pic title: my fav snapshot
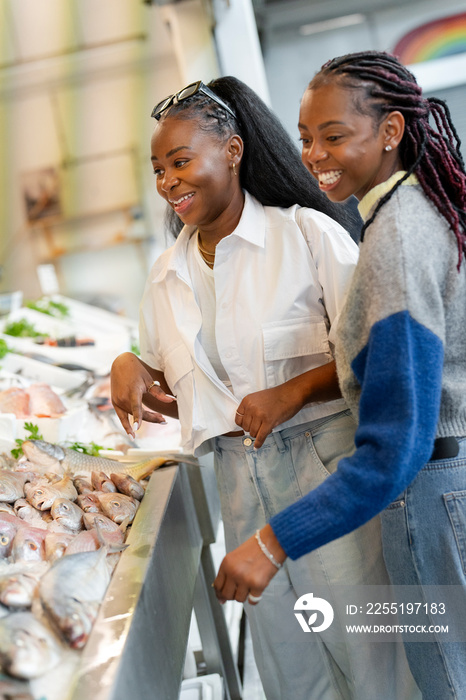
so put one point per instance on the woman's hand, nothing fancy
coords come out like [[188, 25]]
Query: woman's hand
[[131, 380], [259, 413], [246, 571]]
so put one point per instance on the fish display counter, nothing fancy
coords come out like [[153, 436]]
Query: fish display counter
[[138, 642]]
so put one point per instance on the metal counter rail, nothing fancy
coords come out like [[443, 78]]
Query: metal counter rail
[[138, 645]]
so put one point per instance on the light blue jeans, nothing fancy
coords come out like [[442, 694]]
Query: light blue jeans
[[330, 665], [424, 543]]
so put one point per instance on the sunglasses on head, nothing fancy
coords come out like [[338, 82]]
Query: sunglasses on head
[[188, 91]]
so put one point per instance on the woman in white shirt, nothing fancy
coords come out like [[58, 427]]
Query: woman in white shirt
[[236, 330]]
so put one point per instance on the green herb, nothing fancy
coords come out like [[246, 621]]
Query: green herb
[[88, 449], [47, 306], [4, 348], [21, 329], [34, 434]]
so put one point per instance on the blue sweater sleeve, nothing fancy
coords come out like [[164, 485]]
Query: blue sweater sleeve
[[400, 373]]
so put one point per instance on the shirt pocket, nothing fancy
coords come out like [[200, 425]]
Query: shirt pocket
[[294, 346]]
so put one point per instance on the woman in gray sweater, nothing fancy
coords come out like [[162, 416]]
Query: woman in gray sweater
[[367, 130]]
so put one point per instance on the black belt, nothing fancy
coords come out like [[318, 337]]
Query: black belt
[[445, 448]]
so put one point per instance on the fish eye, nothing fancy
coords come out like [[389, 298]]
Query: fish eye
[[116, 504], [33, 546], [39, 492], [4, 540]]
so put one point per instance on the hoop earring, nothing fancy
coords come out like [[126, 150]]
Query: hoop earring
[[388, 147]]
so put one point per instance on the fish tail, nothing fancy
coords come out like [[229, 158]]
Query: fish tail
[[140, 471]]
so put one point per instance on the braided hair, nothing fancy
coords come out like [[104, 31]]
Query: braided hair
[[430, 149], [271, 168]]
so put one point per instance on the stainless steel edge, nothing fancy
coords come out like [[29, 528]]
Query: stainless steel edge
[[138, 644]]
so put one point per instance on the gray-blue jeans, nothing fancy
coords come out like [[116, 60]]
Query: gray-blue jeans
[[424, 542], [330, 665]]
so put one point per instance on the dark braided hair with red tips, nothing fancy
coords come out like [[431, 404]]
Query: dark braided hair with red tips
[[429, 148]]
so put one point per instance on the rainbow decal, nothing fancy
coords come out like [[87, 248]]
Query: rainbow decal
[[437, 39]]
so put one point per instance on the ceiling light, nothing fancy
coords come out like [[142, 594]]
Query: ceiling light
[[329, 24]]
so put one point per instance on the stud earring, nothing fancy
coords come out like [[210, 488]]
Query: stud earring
[[388, 147]]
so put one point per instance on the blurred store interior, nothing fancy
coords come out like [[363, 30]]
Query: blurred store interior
[[77, 84]]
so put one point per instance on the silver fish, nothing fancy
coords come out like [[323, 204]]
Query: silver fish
[[89, 502], [12, 485], [28, 544], [104, 523], [71, 592], [127, 485], [55, 544], [43, 495], [68, 514], [101, 482], [18, 583], [9, 525], [45, 455], [118, 507], [82, 484], [28, 648], [29, 514]]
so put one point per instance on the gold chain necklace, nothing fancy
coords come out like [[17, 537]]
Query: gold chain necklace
[[204, 252]]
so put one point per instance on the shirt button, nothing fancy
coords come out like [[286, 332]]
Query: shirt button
[[247, 442]]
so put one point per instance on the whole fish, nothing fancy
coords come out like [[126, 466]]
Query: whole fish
[[82, 484], [28, 544], [67, 514], [89, 502], [55, 544], [104, 523], [127, 485], [29, 514], [18, 583], [71, 592], [117, 506], [9, 525], [43, 495], [12, 485], [46, 456], [28, 648], [101, 482]]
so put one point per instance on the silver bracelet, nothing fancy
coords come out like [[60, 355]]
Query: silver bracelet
[[268, 554]]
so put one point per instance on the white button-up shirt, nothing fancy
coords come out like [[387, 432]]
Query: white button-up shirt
[[280, 282]]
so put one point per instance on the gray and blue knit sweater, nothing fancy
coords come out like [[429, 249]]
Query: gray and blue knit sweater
[[401, 359]]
